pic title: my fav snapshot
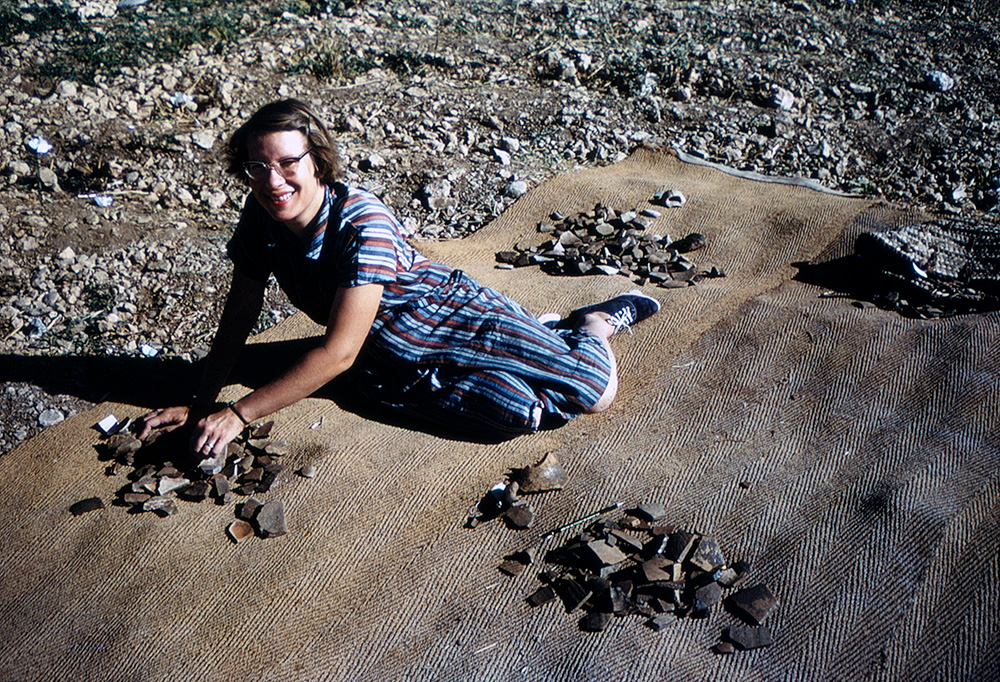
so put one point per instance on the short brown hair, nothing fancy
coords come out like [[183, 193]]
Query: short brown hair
[[287, 114]]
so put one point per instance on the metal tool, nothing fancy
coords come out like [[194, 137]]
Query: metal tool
[[582, 519]]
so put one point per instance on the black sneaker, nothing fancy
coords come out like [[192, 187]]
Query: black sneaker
[[623, 311]]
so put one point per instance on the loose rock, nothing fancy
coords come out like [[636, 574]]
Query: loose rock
[[545, 474], [650, 511], [48, 178], [724, 648], [610, 242], [595, 621], [609, 572], [248, 510], [780, 98], [270, 519], [516, 189], [204, 139], [520, 516], [542, 595], [671, 198], [239, 530], [50, 417], [753, 604], [708, 555], [165, 506], [662, 621], [749, 637], [938, 81]]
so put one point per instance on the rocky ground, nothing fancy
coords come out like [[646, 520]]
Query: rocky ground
[[113, 239]]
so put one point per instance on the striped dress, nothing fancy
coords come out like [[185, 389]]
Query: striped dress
[[442, 347]]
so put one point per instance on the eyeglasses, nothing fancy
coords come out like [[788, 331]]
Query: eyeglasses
[[258, 170]]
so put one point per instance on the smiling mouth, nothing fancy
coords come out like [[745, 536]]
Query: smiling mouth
[[279, 199]]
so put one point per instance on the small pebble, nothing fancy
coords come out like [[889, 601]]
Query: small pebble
[[938, 81], [516, 189], [239, 530], [724, 649], [50, 417]]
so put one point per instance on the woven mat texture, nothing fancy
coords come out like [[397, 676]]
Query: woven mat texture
[[867, 443]]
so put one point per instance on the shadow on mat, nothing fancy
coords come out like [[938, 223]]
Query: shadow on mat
[[137, 381], [845, 276], [158, 382], [848, 277]]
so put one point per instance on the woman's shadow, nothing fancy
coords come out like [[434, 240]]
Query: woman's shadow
[[159, 382]]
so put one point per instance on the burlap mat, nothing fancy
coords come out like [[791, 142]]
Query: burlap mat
[[867, 443]]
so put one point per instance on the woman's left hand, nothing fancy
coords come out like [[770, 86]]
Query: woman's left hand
[[214, 433]]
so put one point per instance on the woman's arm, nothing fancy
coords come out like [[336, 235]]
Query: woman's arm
[[243, 305], [240, 314], [351, 318]]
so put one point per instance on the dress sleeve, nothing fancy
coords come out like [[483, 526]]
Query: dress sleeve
[[377, 252], [250, 247]]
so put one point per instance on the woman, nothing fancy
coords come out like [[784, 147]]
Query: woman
[[420, 337]]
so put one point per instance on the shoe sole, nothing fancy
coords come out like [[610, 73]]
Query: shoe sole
[[549, 320]]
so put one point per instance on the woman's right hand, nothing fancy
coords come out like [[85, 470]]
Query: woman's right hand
[[165, 420]]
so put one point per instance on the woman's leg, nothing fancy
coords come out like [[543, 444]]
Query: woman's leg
[[472, 353], [597, 324], [604, 320]]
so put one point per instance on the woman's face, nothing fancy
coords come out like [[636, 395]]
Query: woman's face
[[293, 200]]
